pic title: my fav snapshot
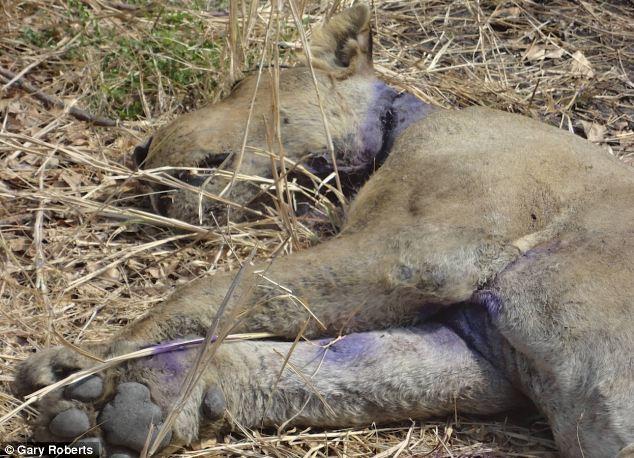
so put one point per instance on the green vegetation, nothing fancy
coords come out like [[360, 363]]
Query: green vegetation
[[142, 59], [138, 60]]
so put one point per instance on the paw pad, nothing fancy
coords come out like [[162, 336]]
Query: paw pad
[[85, 390], [214, 404], [69, 423], [128, 418]]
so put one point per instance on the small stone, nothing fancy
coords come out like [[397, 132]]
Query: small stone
[[69, 423], [85, 390]]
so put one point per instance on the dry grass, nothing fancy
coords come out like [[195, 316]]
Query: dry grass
[[79, 260]]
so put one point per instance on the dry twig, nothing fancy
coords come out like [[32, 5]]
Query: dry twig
[[50, 101]]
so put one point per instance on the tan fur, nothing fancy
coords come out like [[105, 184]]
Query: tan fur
[[469, 203]]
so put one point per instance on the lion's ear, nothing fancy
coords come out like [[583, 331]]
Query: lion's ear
[[344, 44]]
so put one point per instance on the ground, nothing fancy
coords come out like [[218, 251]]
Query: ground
[[78, 260]]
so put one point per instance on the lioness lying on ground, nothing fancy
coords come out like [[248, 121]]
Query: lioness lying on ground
[[488, 264]]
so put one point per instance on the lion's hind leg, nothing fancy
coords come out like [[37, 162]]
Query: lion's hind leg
[[567, 307], [356, 379]]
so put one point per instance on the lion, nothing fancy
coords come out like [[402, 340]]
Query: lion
[[485, 265]]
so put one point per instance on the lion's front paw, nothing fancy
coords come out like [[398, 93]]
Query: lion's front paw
[[50, 366], [64, 414], [123, 408]]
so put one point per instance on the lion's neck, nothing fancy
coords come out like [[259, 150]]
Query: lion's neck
[[383, 114]]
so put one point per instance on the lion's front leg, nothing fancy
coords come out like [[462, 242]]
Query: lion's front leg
[[335, 286], [363, 281]]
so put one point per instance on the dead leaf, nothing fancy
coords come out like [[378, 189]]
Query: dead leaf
[[580, 65], [17, 244], [507, 13], [555, 53], [534, 52], [154, 272], [539, 52], [78, 137], [169, 267], [594, 132], [71, 178], [111, 274]]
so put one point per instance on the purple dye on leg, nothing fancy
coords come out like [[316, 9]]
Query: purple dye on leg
[[172, 358], [347, 348], [490, 301], [176, 345], [170, 363], [426, 311], [444, 337], [435, 338], [474, 324]]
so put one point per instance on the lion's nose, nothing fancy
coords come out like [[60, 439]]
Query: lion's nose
[[140, 153]]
